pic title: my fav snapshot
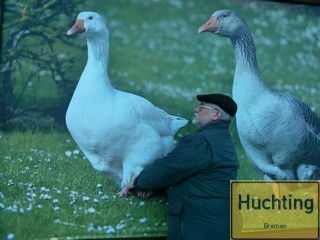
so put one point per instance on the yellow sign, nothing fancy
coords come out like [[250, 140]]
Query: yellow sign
[[275, 209]]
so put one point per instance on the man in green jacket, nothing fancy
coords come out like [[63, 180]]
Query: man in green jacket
[[197, 174]]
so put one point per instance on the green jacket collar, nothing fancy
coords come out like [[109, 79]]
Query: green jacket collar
[[211, 125]]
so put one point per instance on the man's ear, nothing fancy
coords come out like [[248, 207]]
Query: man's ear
[[216, 115]]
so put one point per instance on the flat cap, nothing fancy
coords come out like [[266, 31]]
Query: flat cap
[[223, 101]]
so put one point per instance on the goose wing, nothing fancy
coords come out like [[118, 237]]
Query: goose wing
[[162, 122], [311, 119]]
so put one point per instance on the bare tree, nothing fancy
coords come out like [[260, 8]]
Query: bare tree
[[31, 31]]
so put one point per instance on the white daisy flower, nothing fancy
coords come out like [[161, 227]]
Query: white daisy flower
[[91, 210], [143, 220], [85, 198], [68, 153]]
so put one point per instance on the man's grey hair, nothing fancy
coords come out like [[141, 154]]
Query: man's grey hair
[[225, 116]]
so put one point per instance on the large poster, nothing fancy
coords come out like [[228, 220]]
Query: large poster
[[48, 188]]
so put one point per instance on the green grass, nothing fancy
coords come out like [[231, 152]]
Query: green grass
[[48, 189]]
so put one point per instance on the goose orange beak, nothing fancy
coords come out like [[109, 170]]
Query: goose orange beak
[[77, 28], [211, 25]]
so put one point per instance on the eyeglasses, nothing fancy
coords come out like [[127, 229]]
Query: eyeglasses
[[204, 106]]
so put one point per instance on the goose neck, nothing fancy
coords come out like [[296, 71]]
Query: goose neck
[[247, 78], [98, 50], [96, 70], [245, 52]]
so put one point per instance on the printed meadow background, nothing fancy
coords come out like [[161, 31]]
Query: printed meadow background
[[47, 187]]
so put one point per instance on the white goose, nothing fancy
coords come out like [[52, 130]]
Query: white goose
[[118, 132], [279, 133]]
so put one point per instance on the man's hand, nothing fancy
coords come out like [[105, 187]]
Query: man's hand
[[128, 188]]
